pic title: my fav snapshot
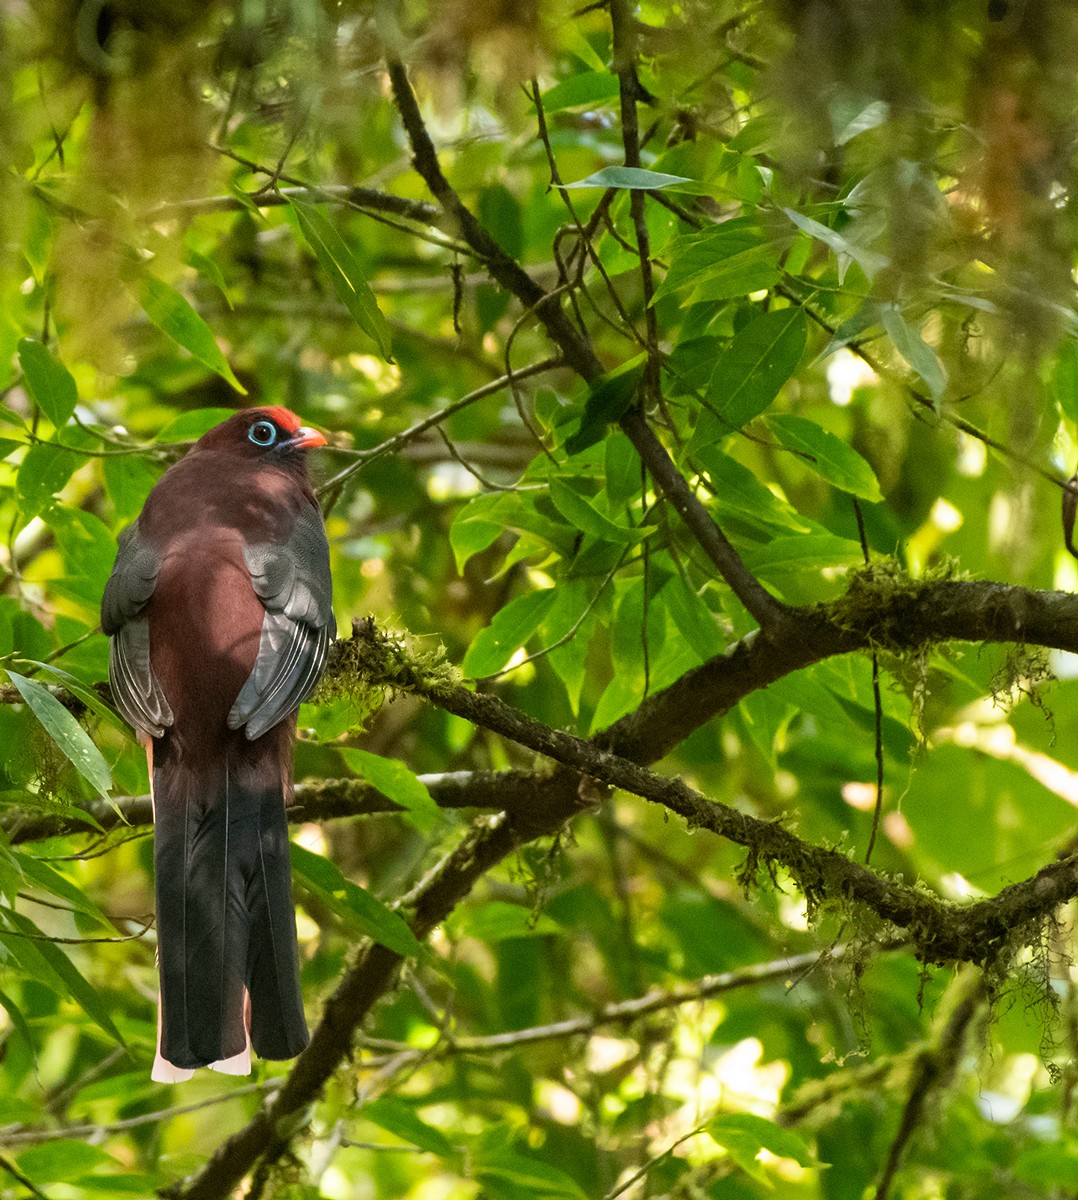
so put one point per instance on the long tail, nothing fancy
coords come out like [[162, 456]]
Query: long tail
[[226, 927]]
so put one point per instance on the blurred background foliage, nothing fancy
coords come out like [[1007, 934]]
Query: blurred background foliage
[[861, 309]]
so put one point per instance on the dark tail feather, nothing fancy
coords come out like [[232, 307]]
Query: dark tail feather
[[278, 1026], [225, 917]]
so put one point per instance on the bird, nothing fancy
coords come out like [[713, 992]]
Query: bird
[[219, 612]]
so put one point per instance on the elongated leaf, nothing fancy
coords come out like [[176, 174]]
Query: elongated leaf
[[747, 1133], [750, 374], [393, 779], [511, 628], [211, 270], [190, 426], [850, 121], [608, 400], [353, 904], [339, 263], [1065, 379], [630, 179], [49, 381], [732, 259], [806, 552], [175, 317], [500, 921], [589, 87], [63, 1159], [47, 962], [400, 1118], [827, 455], [42, 875], [73, 741], [505, 1173], [583, 515], [741, 497], [915, 350], [870, 261], [18, 1021], [696, 623]]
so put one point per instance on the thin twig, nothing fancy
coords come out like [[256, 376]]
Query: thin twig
[[7, 1165], [21, 1135], [392, 444]]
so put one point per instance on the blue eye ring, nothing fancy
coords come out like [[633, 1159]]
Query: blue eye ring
[[262, 433]]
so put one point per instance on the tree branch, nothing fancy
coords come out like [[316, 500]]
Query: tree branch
[[578, 353], [315, 800], [900, 617], [942, 932], [625, 1011]]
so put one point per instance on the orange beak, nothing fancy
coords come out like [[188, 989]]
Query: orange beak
[[305, 438]]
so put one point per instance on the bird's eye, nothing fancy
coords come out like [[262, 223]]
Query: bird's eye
[[262, 433]]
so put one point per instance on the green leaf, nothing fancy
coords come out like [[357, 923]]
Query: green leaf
[[43, 472], [128, 479], [45, 961], [915, 350], [728, 260], [744, 1135], [49, 381], [569, 661], [73, 741], [511, 628], [88, 549], [740, 496], [1065, 379], [400, 1118], [629, 178], [83, 692], [870, 262], [340, 264], [589, 87], [50, 880], [500, 921], [855, 117], [827, 455], [18, 1021], [696, 623], [475, 529], [62, 1159], [174, 316], [210, 269], [608, 400], [505, 1173], [190, 426], [805, 552], [1051, 1166], [353, 904], [584, 516], [748, 377], [500, 214], [394, 780], [621, 471]]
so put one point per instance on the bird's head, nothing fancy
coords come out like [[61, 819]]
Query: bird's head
[[271, 433]]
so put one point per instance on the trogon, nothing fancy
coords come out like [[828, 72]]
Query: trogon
[[219, 614]]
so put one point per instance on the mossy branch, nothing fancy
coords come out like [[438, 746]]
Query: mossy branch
[[986, 932]]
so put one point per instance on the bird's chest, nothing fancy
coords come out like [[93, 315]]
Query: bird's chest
[[205, 623]]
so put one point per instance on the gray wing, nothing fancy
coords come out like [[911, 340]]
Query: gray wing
[[293, 583], [130, 586]]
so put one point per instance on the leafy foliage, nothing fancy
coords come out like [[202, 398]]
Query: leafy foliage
[[635, 333]]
